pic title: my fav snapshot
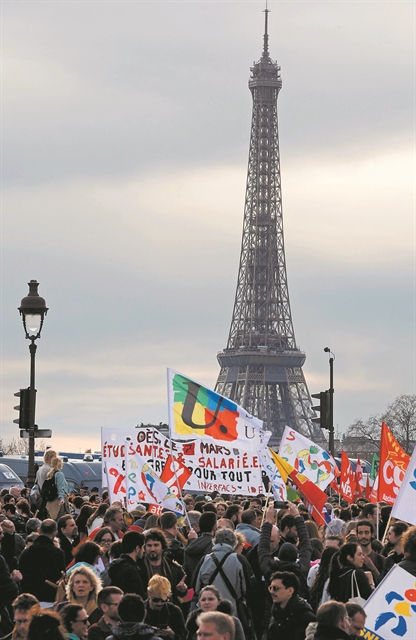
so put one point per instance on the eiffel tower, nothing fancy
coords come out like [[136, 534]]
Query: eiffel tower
[[261, 367]]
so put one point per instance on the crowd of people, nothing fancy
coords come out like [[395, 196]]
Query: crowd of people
[[78, 567]]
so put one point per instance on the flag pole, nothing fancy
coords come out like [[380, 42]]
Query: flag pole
[[378, 521], [267, 501]]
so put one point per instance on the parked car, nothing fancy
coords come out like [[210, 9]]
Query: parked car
[[8, 478]]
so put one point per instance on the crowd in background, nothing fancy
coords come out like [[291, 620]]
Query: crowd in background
[[78, 567]]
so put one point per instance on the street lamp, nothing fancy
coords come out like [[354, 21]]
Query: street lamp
[[33, 310], [331, 400]]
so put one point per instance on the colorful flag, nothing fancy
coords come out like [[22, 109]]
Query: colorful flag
[[144, 485], [391, 609], [404, 507], [393, 464], [347, 479], [307, 458], [197, 412], [175, 474], [116, 482], [313, 494], [278, 486], [359, 481]]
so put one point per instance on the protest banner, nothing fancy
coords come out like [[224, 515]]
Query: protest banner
[[144, 485], [277, 484], [198, 412], [393, 464], [115, 481], [391, 609], [346, 479], [175, 474], [214, 467], [307, 458], [404, 507]]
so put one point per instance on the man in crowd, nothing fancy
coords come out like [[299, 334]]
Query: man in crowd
[[124, 572], [155, 562], [357, 617], [199, 547], [247, 527], [233, 513], [214, 625], [164, 616], [372, 513], [108, 602], [169, 525], [373, 561], [42, 562], [290, 613], [333, 622], [67, 532], [131, 611], [113, 519], [409, 548], [21, 607], [396, 555]]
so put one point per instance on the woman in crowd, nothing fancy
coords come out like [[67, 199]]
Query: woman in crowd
[[104, 538], [347, 578], [97, 517], [45, 624], [58, 507], [76, 621], [318, 579], [210, 600], [81, 521], [82, 589], [88, 555]]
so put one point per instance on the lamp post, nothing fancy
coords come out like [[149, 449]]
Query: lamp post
[[33, 310], [331, 401]]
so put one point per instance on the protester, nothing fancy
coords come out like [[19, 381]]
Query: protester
[[104, 539], [67, 533], [209, 600], [164, 616], [373, 561], [409, 548], [214, 625], [319, 587], [108, 602], [395, 539], [131, 611], [45, 625], [290, 613], [58, 506], [332, 622], [357, 617], [347, 578], [76, 622], [21, 618], [155, 562], [199, 547], [82, 589], [124, 572]]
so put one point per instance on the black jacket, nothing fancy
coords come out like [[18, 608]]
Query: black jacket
[[133, 631], [125, 574], [40, 562], [169, 615], [341, 590], [67, 547], [99, 631], [392, 559], [290, 623], [409, 564], [328, 632], [170, 570], [194, 551]]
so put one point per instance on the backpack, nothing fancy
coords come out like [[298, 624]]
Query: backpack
[[49, 491]]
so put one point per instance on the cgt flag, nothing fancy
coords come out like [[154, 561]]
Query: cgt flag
[[393, 464], [175, 474], [391, 608], [197, 412], [404, 507], [347, 479]]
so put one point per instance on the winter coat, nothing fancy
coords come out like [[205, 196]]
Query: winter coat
[[194, 551], [40, 562], [232, 568], [170, 570], [251, 534], [290, 622], [169, 615], [343, 592], [329, 632], [99, 631], [409, 563], [133, 631], [392, 559], [125, 574]]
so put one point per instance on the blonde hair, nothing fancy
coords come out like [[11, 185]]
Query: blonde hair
[[48, 455], [92, 577], [159, 584], [56, 465]]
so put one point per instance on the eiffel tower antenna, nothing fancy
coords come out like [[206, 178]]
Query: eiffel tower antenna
[[261, 367]]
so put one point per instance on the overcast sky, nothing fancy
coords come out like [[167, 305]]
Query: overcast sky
[[125, 133]]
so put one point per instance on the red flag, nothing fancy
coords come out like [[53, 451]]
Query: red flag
[[393, 465], [368, 488], [347, 479], [175, 474], [359, 481], [374, 491]]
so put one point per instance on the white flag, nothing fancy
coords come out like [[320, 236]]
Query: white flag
[[273, 473], [404, 507], [307, 458], [391, 609]]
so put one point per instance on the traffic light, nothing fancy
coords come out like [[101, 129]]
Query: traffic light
[[24, 409], [323, 407]]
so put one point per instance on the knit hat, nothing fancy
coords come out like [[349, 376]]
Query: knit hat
[[288, 552]]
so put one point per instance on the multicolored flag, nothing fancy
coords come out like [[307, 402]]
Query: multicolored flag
[[313, 494], [277, 484], [404, 507], [346, 479], [197, 412], [116, 482], [175, 474], [391, 608], [307, 458], [144, 485], [375, 463], [393, 464]]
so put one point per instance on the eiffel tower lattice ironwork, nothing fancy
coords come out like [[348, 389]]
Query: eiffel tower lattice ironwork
[[261, 367]]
